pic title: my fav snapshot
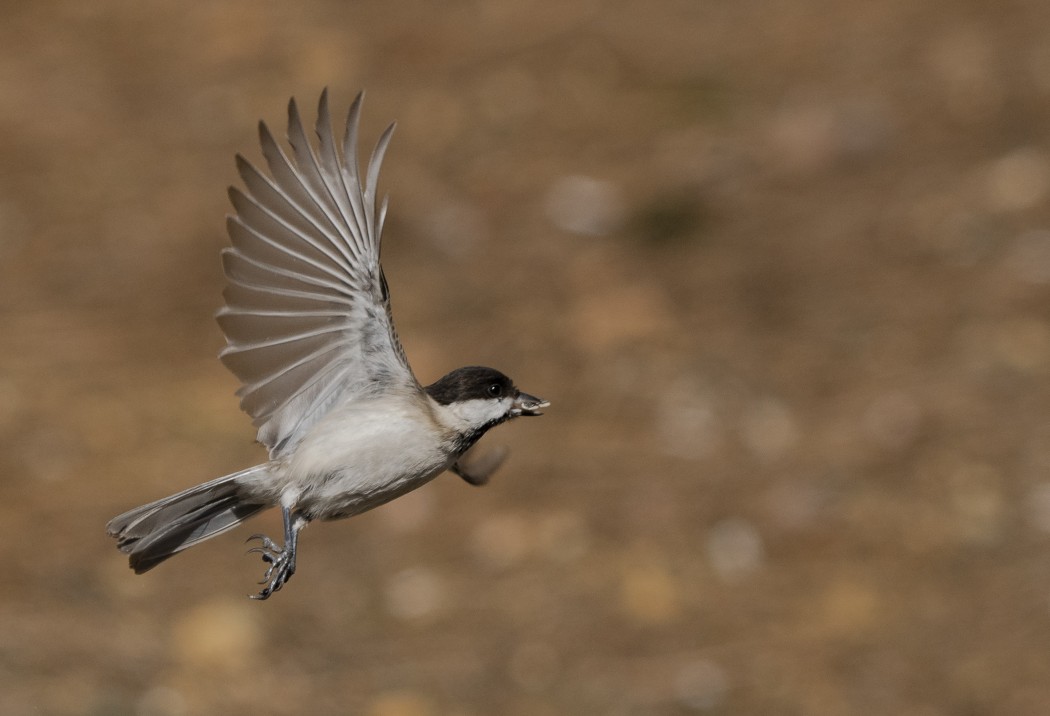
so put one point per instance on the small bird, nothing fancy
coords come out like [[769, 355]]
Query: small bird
[[310, 336]]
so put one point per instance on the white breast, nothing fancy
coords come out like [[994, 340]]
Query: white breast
[[362, 455]]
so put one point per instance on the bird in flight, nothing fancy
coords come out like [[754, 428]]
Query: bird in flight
[[311, 338]]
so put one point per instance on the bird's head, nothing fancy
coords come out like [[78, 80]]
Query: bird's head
[[474, 399]]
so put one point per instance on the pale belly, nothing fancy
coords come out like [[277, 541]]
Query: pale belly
[[359, 458]]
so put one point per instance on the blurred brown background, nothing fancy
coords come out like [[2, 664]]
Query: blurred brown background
[[782, 268]]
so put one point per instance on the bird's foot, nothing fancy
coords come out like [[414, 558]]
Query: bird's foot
[[281, 561]]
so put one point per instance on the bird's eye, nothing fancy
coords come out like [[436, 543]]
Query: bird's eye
[[496, 390]]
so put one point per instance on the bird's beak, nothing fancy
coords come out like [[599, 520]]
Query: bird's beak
[[526, 404]]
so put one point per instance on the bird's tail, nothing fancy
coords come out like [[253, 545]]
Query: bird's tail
[[151, 533]]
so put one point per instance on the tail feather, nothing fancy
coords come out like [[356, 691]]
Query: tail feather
[[156, 531]]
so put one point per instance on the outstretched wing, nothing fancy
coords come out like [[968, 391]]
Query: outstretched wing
[[307, 316]]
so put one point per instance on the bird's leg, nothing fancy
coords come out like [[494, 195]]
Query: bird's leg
[[280, 559]]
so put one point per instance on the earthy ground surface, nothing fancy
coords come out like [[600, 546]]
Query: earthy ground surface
[[782, 268]]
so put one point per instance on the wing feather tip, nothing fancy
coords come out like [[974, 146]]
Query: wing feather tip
[[295, 120], [322, 104]]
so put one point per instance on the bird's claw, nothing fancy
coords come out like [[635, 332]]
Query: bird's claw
[[281, 561], [266, 544]]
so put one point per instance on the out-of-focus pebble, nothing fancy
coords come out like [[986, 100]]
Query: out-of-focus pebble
[[804, 136], [400, 703], [1029, 258], [221, 634], [810, 135], [501, 540], [650, 594], [457, 227], [415, 593], [768, 429], [795, 505], [1018, 180], [701, 685], [963, 61], [847, 608], [687, 424], [978, 502], [1023, 344], [584, 205], [892, 421], [734, 548], [562, 536]]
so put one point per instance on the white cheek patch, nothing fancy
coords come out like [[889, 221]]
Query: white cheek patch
[[474, 413]]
